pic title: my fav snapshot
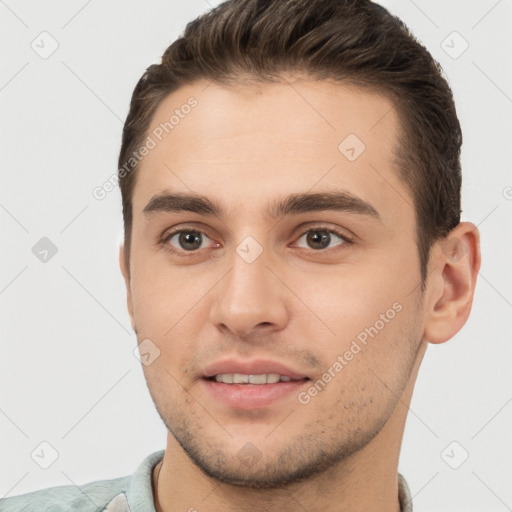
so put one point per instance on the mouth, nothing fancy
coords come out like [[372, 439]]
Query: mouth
[[252, 384], [264, 378]]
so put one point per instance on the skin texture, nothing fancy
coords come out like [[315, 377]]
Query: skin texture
[[245, 147]]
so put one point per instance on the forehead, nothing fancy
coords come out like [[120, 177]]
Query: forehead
[[249, 142]]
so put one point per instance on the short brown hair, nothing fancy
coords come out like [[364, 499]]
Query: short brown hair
[[351, 41]]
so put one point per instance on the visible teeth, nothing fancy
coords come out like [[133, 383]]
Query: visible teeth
[[239, 378], [226, 378], [258, 379]]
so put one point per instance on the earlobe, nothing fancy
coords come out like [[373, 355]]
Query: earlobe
[[125, 271], [455, 266]]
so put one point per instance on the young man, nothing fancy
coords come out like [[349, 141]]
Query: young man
[[290, 176]]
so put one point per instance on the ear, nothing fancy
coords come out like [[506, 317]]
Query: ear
[[126, 275], [453, 271]]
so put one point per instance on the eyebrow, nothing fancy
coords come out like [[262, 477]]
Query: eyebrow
[[293, 204]]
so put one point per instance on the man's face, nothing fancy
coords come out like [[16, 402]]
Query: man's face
[[329, 297]]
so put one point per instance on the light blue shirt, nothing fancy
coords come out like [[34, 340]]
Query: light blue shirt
[[133, 493]]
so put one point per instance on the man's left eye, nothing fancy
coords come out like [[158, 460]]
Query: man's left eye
[[319, 239]]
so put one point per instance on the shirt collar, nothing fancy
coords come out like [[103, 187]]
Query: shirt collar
[[404, 495]]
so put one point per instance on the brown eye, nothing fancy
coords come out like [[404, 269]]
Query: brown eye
[[186, 240], [320, 238]]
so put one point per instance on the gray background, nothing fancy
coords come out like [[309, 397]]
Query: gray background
[[68, 374]]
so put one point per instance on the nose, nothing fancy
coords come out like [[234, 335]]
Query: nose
[[250, 299]]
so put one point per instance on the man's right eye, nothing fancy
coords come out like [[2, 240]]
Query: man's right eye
[[182, 241]]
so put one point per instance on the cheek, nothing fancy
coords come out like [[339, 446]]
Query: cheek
[[351, 299], [162, 295], [368, 360], [371, 317], [169, 309]]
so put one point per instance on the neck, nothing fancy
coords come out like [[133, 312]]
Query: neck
[[366, 480]]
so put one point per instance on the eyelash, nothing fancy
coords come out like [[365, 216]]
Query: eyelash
[[182, 253]]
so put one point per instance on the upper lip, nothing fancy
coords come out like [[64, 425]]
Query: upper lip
[[252, 367]]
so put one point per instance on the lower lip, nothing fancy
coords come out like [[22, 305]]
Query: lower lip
[[252, 396]]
